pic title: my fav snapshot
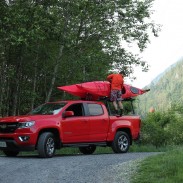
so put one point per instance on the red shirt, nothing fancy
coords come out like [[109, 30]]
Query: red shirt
[[116, 81]]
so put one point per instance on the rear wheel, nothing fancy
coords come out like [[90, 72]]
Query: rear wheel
[[88, 149], [46, 145], [121, 142], [11, 153]]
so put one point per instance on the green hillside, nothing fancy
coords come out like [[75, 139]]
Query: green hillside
[[164, 91]]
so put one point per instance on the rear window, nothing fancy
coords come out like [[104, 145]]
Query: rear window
[[95, 109]]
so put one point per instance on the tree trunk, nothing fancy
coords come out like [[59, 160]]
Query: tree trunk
[[35, 79], [16, 86], [34, 85], [15, 93], [2, 80], [58, 61]]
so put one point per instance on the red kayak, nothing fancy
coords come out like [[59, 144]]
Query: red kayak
[[73, 90], [96, 89]]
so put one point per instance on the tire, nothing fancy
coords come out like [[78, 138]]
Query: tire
[[87, 150], [46, 145], [11, 153], [121, 142]]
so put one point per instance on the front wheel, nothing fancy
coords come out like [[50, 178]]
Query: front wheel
[[46, 145], [121, 142], [88, 149], [11, 153]]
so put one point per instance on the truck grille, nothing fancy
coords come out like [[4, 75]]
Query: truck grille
[[8, 127]]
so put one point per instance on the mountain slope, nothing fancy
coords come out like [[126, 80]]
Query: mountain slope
[[165, 90]]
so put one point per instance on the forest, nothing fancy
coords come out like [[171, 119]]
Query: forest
[[50, 43], [166, 91]]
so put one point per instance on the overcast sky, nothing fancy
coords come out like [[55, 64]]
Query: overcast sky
[[166, 49]]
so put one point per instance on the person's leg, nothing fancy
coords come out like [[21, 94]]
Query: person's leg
[[113, 99], [119, 99], [115, 105], [121, 107], [120, 104]]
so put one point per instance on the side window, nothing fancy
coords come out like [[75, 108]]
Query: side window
[[95, 109], [77, 109]]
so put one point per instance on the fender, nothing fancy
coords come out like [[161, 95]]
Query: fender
[[119, 125], [46, 125]]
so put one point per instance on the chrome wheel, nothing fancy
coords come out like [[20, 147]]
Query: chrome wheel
[[50, 146], [123, 143]]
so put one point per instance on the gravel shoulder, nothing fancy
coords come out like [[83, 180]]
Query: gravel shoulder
[[121, 173], [103, 168]]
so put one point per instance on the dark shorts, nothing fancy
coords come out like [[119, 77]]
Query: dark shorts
[[116, 95]]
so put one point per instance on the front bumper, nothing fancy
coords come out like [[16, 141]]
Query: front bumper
[[18, 141], [12, 145]]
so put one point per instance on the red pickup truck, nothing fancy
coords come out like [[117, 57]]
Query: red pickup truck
[[54, 125]]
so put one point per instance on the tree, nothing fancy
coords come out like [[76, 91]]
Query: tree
[[50, 43]]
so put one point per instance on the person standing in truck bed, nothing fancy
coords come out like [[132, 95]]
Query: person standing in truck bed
[[116, 81]]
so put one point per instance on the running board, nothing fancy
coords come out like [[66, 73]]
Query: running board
[[104, 144]]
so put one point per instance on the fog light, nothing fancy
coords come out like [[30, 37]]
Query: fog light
[[24, 138]]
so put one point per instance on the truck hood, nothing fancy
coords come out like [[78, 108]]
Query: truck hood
[[24, 118]]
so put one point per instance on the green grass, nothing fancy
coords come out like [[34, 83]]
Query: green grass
[[100, 150], [163, 168], [68, 151], [148, 148], [108, 150]]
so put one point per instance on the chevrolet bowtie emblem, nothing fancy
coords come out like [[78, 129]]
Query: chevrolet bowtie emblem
[[3, 126]]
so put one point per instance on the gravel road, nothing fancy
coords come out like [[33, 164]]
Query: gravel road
[[103, 168]]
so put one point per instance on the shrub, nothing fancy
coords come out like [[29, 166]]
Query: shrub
[[153, 129]]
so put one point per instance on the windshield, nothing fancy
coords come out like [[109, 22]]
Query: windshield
[[48, 109]]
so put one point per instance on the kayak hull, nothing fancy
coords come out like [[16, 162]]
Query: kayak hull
[[96, 89]]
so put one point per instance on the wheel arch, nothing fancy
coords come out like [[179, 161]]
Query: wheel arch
[[56, 134]]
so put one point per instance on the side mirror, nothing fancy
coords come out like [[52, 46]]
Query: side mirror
[[68, 114]]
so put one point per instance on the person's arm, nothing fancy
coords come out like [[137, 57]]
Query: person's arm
[[122, 82], [109, 77]]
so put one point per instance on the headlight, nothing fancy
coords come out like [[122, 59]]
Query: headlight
[[26, 124]]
